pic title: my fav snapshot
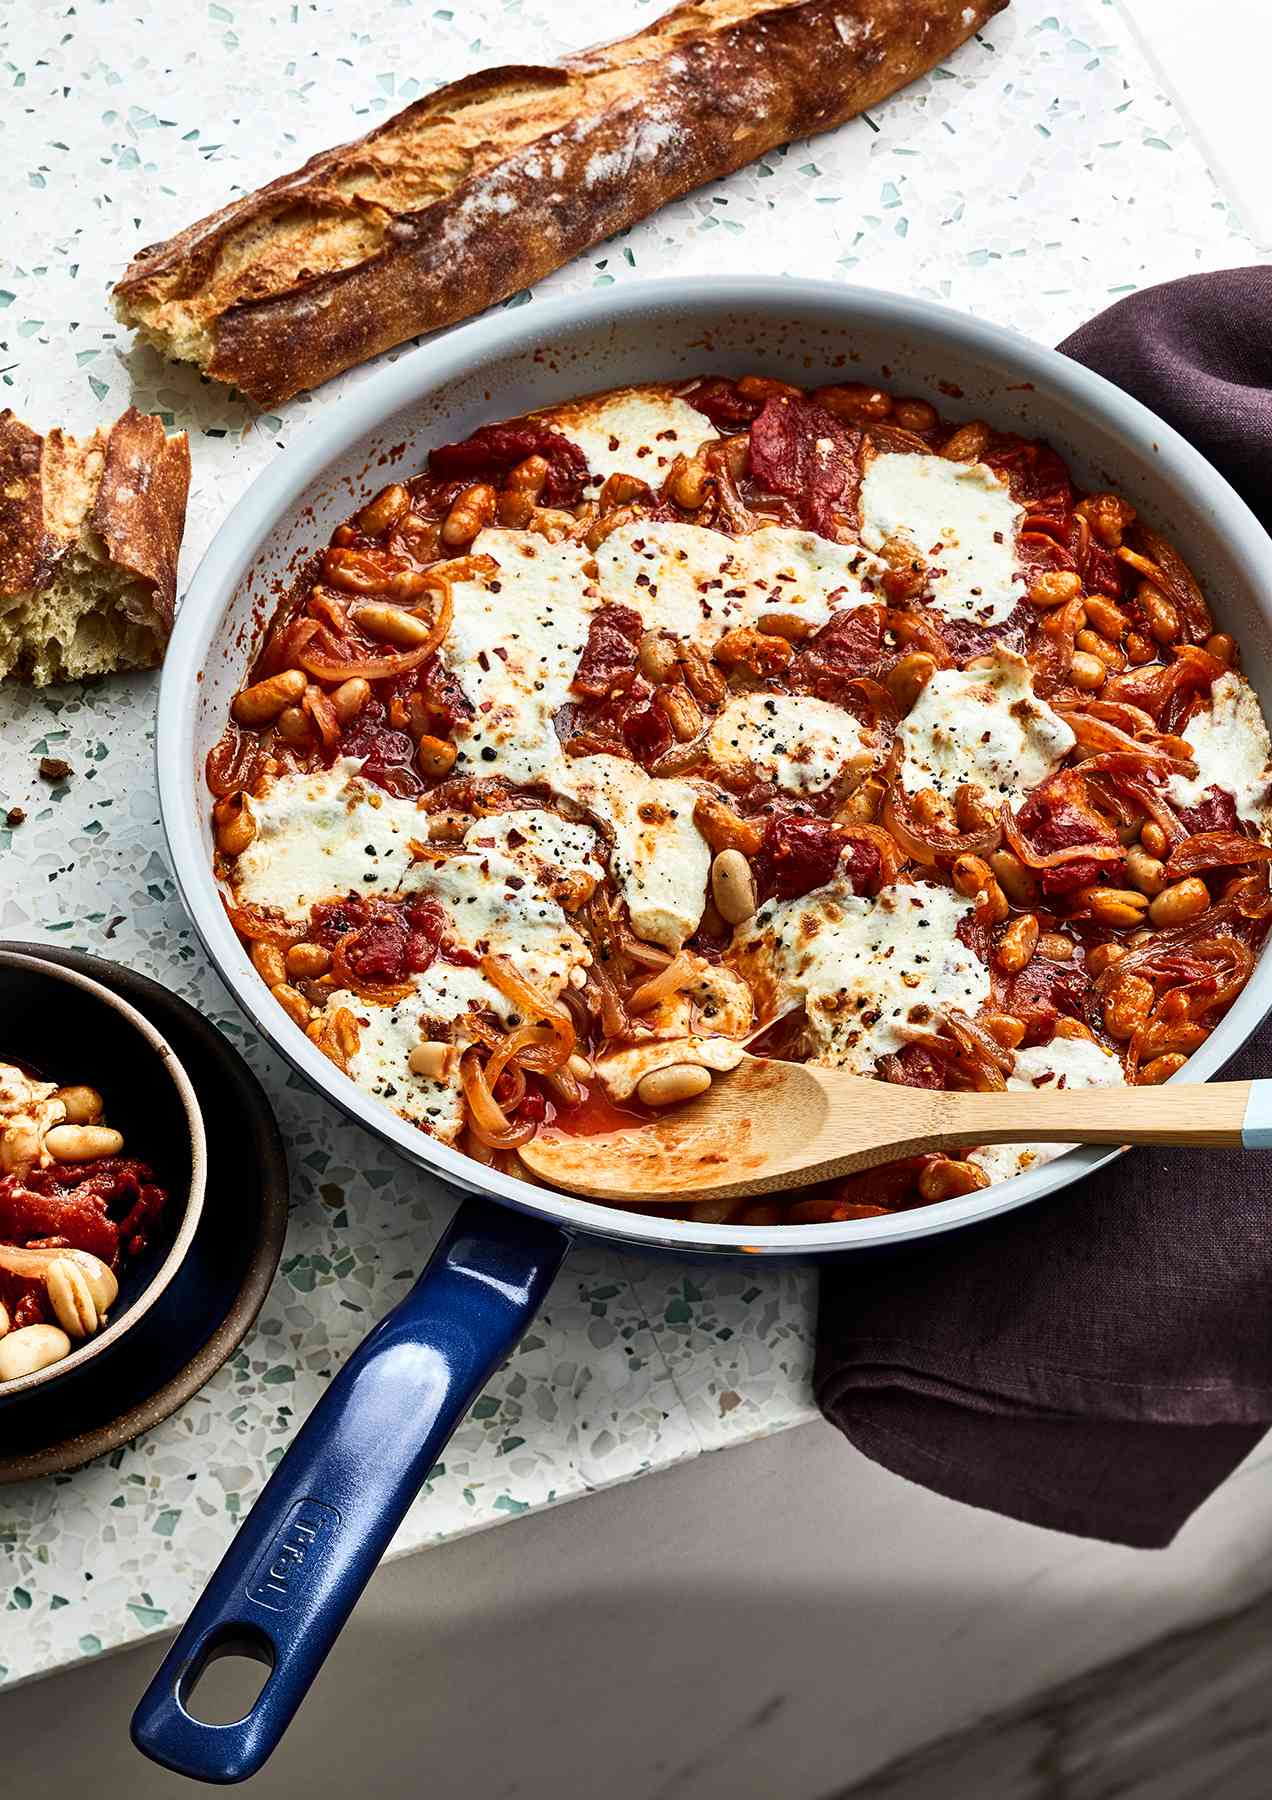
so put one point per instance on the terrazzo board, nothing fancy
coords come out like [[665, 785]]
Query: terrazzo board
[[1032, 181]]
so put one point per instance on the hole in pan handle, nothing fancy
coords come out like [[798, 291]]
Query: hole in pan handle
[[309, 1546]]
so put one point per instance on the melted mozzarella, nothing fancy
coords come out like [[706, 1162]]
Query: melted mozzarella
[[658, 860], [636, 431], [323, 835], [715, 1002], [701, 1024], [621, 1072], [963, 522], [514, 644], [699, 584], [492, 907], [983, 726], [800, 744], [28, 1111], [1232, 751], [1064, 1062], [561, 854], [386, 1037], [864, 970]]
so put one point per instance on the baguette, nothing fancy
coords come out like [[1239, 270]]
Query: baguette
[[90, 530], [487, 185]]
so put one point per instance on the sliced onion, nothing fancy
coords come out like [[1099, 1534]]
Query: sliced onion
[[650, 956], [1158, 684], [729, 501], [337, 667], [609, 1009], [1121, 713], [340, 663], [461, 568], [917, 631], [1249, 898], [972, 1054], [674, 760], [324, 605], [970, 1033], [533, 1047], [1176, 950], [1168, 571], [231, 762], [283, 645], [1215, 850], [487, 1121], [323, 714], [534, 1005], [250, 924], [1053, 859], [1156, 806], [681, 972], [883, 709], [513, 1080], [928, 845], [575, 1003], [567, 1085], [896, 438], [1175, 1023], [1101, 734]]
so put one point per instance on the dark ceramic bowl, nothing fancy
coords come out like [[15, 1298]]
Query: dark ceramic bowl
[[74, 1030]]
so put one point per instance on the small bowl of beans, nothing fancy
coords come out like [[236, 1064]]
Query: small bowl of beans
[[102, 1170]]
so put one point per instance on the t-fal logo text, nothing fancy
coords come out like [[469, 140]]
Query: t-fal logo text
[[280, 1575]]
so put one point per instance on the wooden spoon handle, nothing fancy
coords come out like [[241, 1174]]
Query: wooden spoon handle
[[1216, 1114]]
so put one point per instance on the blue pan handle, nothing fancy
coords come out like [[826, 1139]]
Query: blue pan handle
[[309, 1546]]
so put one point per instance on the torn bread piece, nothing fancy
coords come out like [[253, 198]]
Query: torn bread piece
[[90, 531], [479, 190]]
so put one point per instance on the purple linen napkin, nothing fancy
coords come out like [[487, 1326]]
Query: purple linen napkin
[[1100, 1362]]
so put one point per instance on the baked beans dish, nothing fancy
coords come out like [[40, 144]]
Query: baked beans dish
[[73, 1209], [685, 719]]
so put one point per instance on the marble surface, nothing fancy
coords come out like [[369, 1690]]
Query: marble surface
[[1185, 1719], [1040, 175]]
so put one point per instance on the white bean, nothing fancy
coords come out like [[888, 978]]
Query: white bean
[[665, 1087], [101, 1281], [264, 700], [83, 1104], [392, 624], [70, 1297], [350, 698], [32, 1262], [33, 1347], [733, 887], [82, 1143]]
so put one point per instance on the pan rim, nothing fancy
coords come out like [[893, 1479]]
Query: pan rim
[[238, 540]]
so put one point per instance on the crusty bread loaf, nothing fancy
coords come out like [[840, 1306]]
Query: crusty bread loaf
[[90, 530], [487, 185]]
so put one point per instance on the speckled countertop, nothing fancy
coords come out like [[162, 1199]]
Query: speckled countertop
[[1039, 176]]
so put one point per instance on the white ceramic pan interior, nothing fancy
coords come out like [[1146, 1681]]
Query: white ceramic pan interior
[[803, 331]]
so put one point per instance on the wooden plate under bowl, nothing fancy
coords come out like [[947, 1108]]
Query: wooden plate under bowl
[[208, 1308]]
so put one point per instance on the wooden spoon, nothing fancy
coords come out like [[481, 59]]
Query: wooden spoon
[[774, 1125]]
